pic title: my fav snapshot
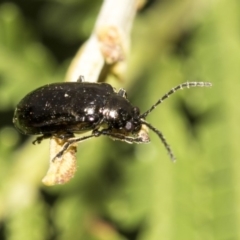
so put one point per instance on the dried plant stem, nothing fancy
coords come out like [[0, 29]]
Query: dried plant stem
[[107, 45], [109, 41]]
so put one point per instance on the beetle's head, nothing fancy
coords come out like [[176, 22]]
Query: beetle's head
[[125, 119], [121, 116]]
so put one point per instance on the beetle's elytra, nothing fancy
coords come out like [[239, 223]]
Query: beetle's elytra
[[63, 109]]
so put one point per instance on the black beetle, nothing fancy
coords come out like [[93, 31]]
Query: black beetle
[[62, 109]]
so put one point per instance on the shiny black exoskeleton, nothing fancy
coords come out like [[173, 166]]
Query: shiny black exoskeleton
[[62, 109]]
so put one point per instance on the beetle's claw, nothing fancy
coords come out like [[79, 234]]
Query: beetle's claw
[[38, 140]]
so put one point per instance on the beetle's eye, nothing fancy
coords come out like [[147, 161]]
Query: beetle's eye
[[129, 126]]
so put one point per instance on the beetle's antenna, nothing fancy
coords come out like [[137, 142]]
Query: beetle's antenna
[[173, 90], [163, 139]]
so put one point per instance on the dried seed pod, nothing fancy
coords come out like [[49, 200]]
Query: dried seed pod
[[63, 168]]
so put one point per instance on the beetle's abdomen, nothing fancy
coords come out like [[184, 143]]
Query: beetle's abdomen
[[61, 107]]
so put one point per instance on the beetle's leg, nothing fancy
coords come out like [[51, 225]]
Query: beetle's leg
[[64, 136], [125, 138], [39, 139], [118, 136], [80, 79], [97, 133], [122, 92], [70, 142]]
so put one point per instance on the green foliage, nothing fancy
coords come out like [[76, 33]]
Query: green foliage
[[123, 191]]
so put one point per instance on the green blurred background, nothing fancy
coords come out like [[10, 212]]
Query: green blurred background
[[124, 191]]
